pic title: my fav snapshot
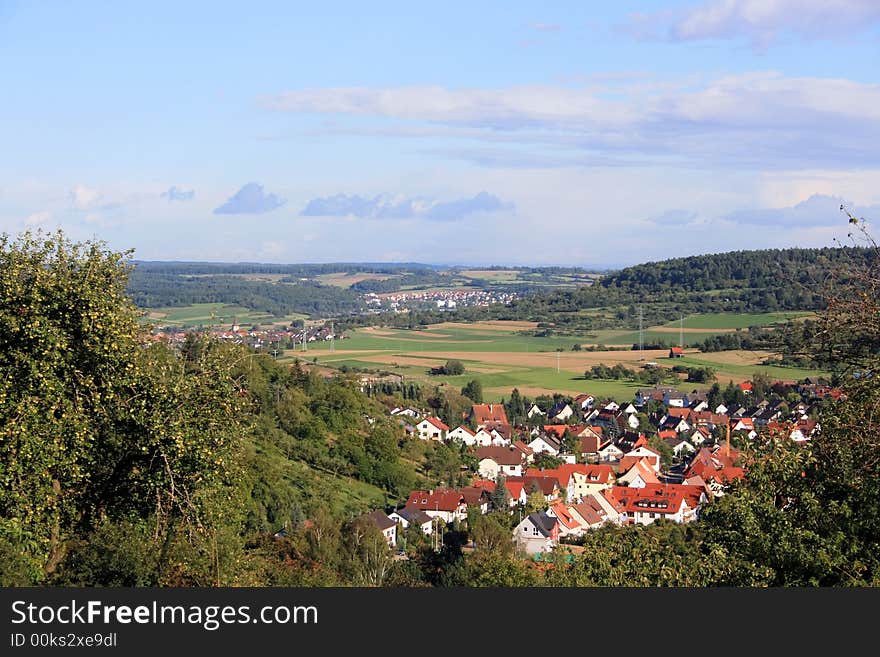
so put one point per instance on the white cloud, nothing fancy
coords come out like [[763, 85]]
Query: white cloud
[[763, 21], [386, 206], [759, 120], [38, 218], [84, 198]]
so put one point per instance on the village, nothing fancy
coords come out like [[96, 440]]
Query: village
[[579, 466]]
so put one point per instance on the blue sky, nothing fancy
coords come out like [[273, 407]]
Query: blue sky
[[593, 134]]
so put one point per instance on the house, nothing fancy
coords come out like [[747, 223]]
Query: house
[[608, 421], [569, 523], [409, 515], [585, 479], [386, 525], [498, 439], [462, 434], [638, 475], [408, 412], [644, 506], [700, 435], [528, 454], [580, 479], [610, 453], [710, 420], [476, 497], [560, 412], [594, 511], [680, 447], [584, 401], [631, 440], [716, 467], [676, 352], [548, 444], [628, 409], [549, 486], [591, 442], [492, 461], [746, 425], [516, 487], [489, 416], [534, 410], [537, 533], [643, 451], [483, 438], [676, 424], [432, 428], [446, 504]]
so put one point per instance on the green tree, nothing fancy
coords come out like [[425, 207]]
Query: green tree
[[453, 367], [95, 426], [473, 390], [500, 496]]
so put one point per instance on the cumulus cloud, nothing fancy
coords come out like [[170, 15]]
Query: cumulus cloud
[[760, 21], [385, 206], [761, 120], [84, 198], [38, 218], [250, 199], [818, 210], [175, 194]]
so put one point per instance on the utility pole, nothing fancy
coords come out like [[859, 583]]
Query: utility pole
[[332, 337], [681, 332], [557, 362]]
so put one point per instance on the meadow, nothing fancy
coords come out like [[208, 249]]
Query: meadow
[[501, 357], [214, 314]]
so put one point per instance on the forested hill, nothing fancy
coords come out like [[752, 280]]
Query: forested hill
[[738, 281]]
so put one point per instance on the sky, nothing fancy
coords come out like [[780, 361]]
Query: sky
[[593, 134]]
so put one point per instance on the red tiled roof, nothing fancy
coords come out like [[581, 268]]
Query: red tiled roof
[[654, 498], [501, 455], [555, 429], [441, 499], [547, 485], [437, 422], [564, 516], [489, 414]]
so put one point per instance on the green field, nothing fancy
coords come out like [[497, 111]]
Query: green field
[[503, 358], [213, 314], [736, 321]]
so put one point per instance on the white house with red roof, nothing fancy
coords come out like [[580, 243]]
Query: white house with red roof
[[641, 474], [644, 506], [432, 428], [445, 503], [462, 434]]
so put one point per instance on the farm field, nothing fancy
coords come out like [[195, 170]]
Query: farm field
[[501, 358], [731, 321], [216, 314], [344, 279]]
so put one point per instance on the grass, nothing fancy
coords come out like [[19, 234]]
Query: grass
[[217, 314], [502, 358], [736, 321]]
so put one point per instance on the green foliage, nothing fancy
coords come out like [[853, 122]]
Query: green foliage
[[93, 425], [474, 391]]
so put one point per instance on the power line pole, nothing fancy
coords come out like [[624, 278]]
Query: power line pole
[[681, 332]]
